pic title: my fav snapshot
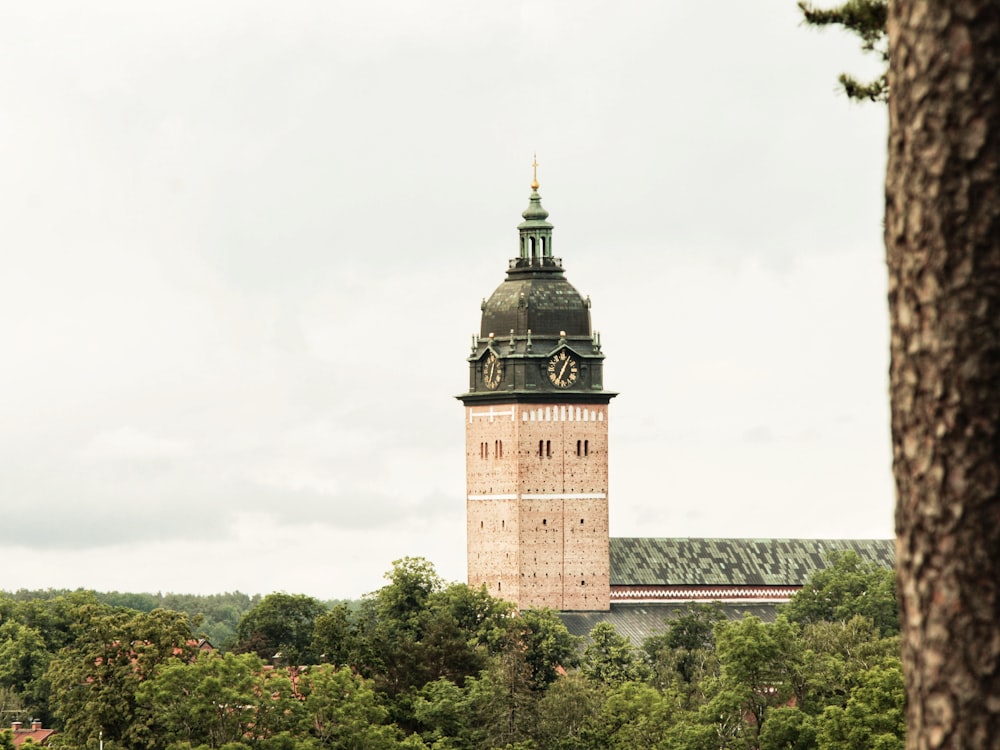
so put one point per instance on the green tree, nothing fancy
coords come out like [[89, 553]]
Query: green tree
[[834, 658], [866, 19], [59, 617], [635, 715], [873, 717], [217, 699], [391, 626], [12, 704], [342, 711], [848, 587], [24, 660], [759, 664], [685, 652], [503, 701], [567, 714], [446, 715], [610, 659], [95, 679], [412, 580], [334, 640], [475, 612], [788, 728], [280, 629], [220, 613], [414, 630], [546, 644]]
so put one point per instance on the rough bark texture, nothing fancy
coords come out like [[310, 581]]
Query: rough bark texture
[[943, 250]]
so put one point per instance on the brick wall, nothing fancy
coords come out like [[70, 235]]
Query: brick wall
[[537, 509]]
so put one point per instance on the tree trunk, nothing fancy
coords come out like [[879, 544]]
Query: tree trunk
[[943, 251]]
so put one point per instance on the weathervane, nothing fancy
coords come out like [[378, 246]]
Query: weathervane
[[534, 172]]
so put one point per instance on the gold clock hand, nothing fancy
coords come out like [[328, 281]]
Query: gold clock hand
[[563, 370]]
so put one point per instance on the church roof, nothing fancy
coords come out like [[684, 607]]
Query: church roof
[[639, 621], [652, 561], [542, 302], [536, 296]]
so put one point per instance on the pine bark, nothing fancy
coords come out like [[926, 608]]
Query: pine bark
[[942, 233]]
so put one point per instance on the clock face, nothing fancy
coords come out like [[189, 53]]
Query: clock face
[[563, 370], [492, 371]]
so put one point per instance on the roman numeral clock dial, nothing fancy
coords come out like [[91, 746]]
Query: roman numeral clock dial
[[492, 371], [563, 370]]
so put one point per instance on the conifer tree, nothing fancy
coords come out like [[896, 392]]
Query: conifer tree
[[867, 19]]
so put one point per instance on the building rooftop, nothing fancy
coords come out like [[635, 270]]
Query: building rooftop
[[639, 621], [656, 561]]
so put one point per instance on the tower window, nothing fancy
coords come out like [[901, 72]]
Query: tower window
[[579, 443], [548, 449], [586, 447], [541, 448]]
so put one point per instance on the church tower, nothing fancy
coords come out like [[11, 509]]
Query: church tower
[[536, 436]]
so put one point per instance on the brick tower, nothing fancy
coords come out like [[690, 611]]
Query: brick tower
[[536, 437]]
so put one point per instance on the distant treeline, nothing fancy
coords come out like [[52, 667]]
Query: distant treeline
[[214, 617]]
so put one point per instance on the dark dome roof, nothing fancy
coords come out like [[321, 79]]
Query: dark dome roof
[[544, 303]]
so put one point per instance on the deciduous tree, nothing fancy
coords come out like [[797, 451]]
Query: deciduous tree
[[217, 699], [848, 587], [280, 629], [610, 659], [95, 679]]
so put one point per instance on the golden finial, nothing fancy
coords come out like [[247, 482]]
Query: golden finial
[[534, 172]]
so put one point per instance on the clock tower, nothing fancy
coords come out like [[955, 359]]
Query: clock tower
[[536, 436]]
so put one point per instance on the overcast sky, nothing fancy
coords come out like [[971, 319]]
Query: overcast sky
[[243, 247]]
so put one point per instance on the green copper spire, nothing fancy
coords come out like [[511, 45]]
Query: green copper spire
[[536, 232]]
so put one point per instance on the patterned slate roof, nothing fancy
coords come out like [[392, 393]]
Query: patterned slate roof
[[639, 621], [649, 561], [542, 301]]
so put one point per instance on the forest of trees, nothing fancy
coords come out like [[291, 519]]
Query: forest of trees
[[424, 664]]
